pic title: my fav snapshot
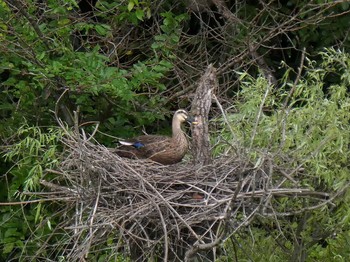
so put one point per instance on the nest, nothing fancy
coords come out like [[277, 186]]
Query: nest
[[143, 209]]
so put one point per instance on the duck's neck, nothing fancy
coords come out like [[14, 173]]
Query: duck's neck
[[177, 131]]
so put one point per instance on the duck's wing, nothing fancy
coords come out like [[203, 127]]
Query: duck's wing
[[148, 146], [136, 144], [147, 141]]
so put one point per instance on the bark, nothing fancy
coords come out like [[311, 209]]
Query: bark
[[200, 109]]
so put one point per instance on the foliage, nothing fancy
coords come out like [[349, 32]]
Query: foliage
[[32, 156], [310, 131], [36, 80]]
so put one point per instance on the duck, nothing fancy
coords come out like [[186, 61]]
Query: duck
[[166, 150]]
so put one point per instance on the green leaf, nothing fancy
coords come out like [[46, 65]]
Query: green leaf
[[102, 29], [11, 232], [49, 224], [148, 13], [139, 14], [8, 247], [131, 5], [37, 214]]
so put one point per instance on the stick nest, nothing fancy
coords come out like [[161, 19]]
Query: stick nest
[[175, 212]]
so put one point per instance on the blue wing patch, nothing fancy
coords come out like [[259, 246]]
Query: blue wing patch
[[138, 145]]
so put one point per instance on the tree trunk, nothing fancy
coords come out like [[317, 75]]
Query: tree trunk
[[200, 109]]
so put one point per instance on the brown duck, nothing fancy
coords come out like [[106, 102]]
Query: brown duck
[[162, 149]]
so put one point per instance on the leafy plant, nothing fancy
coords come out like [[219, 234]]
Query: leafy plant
[[304, 124], [35, 152]]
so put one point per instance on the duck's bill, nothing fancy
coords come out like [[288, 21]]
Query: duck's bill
[[192, 120]]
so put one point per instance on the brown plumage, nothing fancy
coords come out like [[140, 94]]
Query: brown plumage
[[162, 149]]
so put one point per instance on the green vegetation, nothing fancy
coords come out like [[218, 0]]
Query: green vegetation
[[129, 64], [312, 130]]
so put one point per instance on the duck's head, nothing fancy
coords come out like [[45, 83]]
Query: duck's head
[[182, 115]]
